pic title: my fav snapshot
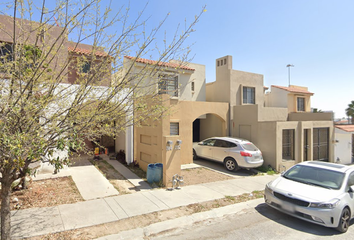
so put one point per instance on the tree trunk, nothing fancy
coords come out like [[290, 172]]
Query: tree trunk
[[5, 207]]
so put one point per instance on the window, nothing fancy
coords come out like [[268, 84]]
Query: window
[[225, 61], [300, 104], [174, 128], [6, 53], [321, 144], [224, 144], [192, 86], [218, 63], [168, 85], [288, 144], [209, 142], [86, 67], [248, 95]]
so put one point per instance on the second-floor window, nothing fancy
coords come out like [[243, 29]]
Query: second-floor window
[[248, 95], [300, 104], [168, 85], [86, 67], [6, 53]]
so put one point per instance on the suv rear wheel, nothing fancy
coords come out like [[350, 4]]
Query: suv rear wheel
[[230, 164]]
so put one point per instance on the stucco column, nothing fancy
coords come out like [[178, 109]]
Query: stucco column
[[171, 159]]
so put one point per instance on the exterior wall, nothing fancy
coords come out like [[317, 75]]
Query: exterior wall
[[151, 138], [267, 142], [229, 84], [343, 146], [27, 33], [185, 78], [277, 98], [211, 126], [282, 98], [309, 116], [104, 77], [299, 127], [245, 121], [185, 82]]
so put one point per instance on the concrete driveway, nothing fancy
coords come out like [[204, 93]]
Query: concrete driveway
[[219, 167]]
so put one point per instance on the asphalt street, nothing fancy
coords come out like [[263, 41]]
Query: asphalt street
[[257, 223]]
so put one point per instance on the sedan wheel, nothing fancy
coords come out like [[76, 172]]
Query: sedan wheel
[[344, 221], [230, 164]]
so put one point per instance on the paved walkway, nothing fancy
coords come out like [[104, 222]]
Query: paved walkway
[[89, 181], [38, 221]]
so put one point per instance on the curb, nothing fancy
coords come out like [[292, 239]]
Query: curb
[[181, 222]]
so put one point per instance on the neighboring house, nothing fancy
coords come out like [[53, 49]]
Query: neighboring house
[[86, 56], [344, 144], [279, 122]]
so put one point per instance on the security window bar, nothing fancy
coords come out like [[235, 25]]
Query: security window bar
[[168, 85], [174, 128], [248, 95], [288, 144], [300, 104]]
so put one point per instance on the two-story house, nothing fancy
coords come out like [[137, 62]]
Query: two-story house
[[279, 121], [169, 140]]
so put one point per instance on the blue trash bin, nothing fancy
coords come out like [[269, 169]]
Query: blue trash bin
[[158, 172], [150, 173]]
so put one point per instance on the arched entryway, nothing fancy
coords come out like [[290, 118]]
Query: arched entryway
[[208, 125]]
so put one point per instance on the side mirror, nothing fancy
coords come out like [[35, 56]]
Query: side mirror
[[351, 188], [200, 143]]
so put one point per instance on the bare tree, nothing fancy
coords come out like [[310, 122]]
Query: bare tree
[[55, 93]]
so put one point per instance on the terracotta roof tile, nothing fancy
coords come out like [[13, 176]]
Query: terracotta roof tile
[[86, 51], [294, 89], [163, 64], [345, 127]]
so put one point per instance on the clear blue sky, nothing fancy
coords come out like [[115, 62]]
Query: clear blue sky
[[316, 36], [263, 36]]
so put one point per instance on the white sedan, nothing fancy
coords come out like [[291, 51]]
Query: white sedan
[[318, 192], [233, 152]]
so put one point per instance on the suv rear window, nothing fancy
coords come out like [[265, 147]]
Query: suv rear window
[[249, 146]]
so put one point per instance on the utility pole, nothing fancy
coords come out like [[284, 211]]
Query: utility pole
[[288, 66]]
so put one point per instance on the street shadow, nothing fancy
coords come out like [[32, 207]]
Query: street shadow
[[295, 223], [219, 167]]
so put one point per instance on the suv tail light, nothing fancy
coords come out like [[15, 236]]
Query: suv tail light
[[245, 154]]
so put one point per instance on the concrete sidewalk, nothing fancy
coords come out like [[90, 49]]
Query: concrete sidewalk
[[39, 221]]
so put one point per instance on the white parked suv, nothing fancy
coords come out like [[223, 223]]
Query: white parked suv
[[235, 153]]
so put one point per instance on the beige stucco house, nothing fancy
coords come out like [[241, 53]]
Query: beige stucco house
[[279, 121], [169, 140]]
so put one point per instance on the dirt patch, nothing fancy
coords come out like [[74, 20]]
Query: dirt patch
[[147, 219], [120, 183], [200, 175], [46, 193]]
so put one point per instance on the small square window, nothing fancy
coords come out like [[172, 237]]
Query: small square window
[[218, 63], [174, 128], [86, 67], [221, 62]]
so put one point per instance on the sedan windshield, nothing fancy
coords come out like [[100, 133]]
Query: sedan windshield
[[315, 176]]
